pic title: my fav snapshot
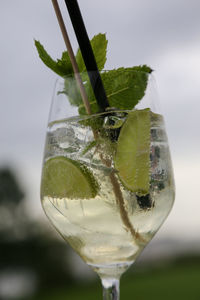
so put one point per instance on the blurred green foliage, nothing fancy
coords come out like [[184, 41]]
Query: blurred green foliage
[[28, 245], [179, 280]]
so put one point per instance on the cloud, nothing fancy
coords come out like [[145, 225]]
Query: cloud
[[178, 77], [141, 30]]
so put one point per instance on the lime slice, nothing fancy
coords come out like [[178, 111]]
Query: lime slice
[[132, 160], [66, 178]]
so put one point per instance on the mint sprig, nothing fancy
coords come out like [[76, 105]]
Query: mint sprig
[[124, 87]]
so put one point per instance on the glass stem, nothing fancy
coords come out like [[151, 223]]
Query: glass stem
[[110, 288]]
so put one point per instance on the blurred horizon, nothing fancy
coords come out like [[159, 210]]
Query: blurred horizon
[[44, 266]]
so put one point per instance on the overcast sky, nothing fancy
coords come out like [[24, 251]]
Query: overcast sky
[[163, 34]]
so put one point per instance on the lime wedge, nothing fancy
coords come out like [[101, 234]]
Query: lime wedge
[[66, 178], [132, 160]]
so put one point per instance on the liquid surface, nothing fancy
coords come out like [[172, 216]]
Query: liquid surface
[[109, 229]]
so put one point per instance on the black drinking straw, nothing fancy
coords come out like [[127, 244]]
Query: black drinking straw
[[87, 53]]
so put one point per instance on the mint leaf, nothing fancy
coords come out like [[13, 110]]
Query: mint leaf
[[124, 87], [72, 91], [65, 64], [89, 146], [61, 67], [99, 47], [143, 68]]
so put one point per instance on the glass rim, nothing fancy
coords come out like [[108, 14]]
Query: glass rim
[[95, 115]]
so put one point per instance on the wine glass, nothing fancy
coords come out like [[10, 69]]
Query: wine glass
[[107, 182]]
